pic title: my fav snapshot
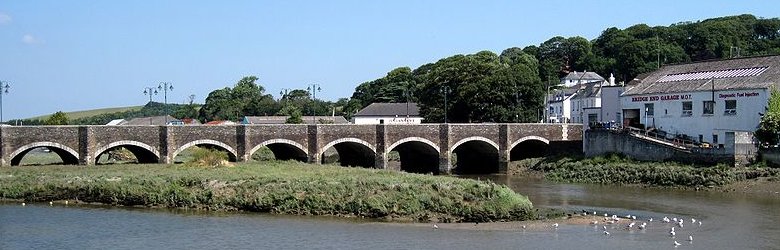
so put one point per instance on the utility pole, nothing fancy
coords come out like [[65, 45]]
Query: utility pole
[[658, 52]]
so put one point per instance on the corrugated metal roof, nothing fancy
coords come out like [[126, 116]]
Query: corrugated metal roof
[[739, 73]]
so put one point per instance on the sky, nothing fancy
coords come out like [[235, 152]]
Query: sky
[[81, 55]]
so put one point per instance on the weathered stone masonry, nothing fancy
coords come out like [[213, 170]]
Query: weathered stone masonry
[[364, 145]]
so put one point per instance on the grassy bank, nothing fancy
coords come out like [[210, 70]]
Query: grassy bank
[[275, 187], [615, 169]]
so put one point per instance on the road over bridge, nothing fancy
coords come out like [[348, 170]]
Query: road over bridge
[[424, 148]]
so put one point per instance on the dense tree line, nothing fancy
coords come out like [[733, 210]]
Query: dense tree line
[[510, 87]]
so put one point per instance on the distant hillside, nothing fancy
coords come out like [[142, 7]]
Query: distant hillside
[[90, 113]]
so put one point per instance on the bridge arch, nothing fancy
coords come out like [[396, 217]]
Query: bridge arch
[[67, 154], [529, 147], [231, 151], [142, 151], [351, 152], [416, 155], [283, 149], [475, 155]]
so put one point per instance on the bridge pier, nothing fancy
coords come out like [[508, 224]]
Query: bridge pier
[[445, 164], [314, 146], [86, 144]]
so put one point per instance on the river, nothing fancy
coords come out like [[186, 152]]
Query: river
[[729, 221]]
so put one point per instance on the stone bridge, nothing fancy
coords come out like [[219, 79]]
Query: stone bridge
[[424, 148]]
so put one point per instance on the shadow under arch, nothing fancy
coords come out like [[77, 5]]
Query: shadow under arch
[[352, 152], [529, 147], [143, 152], [67, 154], [475, 155], [417, 155], [208, 143], [283, 149]]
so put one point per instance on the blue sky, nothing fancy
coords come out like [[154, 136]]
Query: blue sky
[[78, 55]]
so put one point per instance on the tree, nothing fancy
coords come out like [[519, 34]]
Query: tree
[[769, 127], [245, 98], [58, 118]]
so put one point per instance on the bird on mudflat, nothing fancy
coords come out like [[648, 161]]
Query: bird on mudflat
[[435, 226], [555, 225], [605, 232], [643, 225], [690, 237], [24, 204], [676, 243]]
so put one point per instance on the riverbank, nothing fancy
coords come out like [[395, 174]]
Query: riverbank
[[272, 187], [616, 170]]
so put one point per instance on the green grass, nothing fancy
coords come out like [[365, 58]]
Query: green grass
[[89, 113], [274, 187], [615, 169]]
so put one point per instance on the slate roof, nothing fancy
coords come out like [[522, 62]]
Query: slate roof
[[389, 110], [589, 76], [281, 119], [582, 90], [729, 74]]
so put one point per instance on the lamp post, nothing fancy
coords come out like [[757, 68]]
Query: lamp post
[[446, 91], [150, 91], [165, 86], [518, 96], [3, 91], [283, 93], [313, 89]]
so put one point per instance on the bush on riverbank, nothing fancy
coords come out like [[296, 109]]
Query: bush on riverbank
[[615, 169], [275, 187]]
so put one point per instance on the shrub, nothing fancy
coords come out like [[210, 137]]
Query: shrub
[[211, 158]]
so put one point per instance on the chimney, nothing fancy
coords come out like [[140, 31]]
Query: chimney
[[611, 80]]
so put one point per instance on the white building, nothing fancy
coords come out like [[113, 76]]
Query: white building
[[581, 92], [388, 113], [702, 100]]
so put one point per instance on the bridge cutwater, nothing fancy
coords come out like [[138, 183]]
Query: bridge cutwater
[[424, 148]]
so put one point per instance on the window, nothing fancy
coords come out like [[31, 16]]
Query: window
[[709, 108], [714, 139], [731, 107], [649, 109], [687, 108], [552, 110]]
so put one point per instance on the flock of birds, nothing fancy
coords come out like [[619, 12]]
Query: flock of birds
[[632, 224]]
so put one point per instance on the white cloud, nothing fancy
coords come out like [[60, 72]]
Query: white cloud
[[30, 39], [4, 18]]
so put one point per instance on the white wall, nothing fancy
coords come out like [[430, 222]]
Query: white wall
[[388, 120], [668, 115]]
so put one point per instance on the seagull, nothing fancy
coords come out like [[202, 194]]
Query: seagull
[[24, 204], [523, 226], [676, 243], [605, 228], [674, 219], [680, 223], [693, 220], [672, 233], [666, 219], [643, 225], [594, 222], [631, 225], [699, 223], [555, 225], [605, 232], [66, 202], [650, 220], [51, 203], [690, 237], [633, 217], [435, 226]]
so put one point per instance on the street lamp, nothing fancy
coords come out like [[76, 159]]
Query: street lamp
[[518, 96], [165, 86], [150, 92], [446, 91], [313, 89], [283, 93], [3, 91]]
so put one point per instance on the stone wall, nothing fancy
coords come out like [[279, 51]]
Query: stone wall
[[163, 143]]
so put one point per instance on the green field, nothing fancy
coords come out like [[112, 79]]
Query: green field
[[273, 187], [89, 113]]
